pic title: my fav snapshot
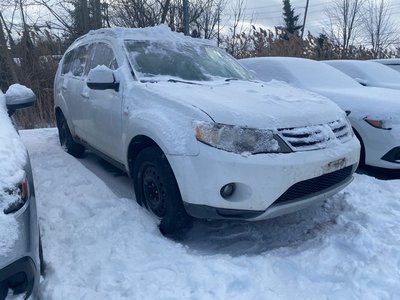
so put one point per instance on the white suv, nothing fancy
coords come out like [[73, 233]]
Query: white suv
[[198, 136]]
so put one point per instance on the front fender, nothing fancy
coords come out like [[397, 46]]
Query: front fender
[[174, 134]]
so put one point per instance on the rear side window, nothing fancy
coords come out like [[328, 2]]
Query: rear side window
[[75, 61], [104, 55]]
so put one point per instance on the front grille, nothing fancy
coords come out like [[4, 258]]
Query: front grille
[[316, 136], [314, 185], [342, 130]]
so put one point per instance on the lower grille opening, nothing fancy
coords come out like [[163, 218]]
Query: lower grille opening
[[314, 185]]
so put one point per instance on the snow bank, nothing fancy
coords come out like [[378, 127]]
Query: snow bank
[[12, 161], [101, 246]]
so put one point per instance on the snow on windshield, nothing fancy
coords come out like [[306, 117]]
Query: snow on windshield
[[183, 60], [304, 73], [12, 160], [372, 72]]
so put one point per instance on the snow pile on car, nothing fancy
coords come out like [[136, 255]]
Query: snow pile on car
[[12, 160], [19, 91]]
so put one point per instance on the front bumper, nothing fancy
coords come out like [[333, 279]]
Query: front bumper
[[260, 180], [382, 147]]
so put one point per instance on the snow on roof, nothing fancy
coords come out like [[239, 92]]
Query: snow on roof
[[159, 32], [371, 72]]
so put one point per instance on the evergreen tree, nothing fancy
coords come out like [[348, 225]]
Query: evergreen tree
[[291, 20]]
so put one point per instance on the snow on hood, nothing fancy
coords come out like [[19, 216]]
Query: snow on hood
[[12, 161], [377, 103], [252, 104], [372, 73]]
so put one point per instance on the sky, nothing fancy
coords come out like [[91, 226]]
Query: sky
[[268, 13]]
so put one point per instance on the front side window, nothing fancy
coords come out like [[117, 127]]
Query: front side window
[[104, 56], [188, 61]]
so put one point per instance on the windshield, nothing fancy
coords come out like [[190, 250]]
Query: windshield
[[395, 67], [187, 61], [378, 73], [314, 74], [374, 73]]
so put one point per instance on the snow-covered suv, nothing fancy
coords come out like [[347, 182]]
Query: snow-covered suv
[[198, 136]]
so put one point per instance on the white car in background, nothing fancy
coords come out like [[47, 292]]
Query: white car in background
[[374, 112], [368, 73], [198, 136], [394, 63]]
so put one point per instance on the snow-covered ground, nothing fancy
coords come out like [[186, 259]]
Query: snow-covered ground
[[99, 244]]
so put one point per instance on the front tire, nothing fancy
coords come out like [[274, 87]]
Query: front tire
[[66, 140], [157, 189]]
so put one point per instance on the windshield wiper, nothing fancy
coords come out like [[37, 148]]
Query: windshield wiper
[[182, 81], [230, 79]]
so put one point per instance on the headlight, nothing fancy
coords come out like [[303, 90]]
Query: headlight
[[381, 124], [239, 139], [15, 198]]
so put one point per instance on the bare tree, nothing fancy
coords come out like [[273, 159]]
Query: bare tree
[[379, 26], [345, 19], [203, 14], [207, 22], [235, 42]]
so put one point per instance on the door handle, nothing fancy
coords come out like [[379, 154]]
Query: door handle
[[85, 96]]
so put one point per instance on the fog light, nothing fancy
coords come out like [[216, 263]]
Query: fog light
[[228, 190]]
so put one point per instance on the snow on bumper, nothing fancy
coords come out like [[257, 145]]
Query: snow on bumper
[[379, 143], [260, 179]]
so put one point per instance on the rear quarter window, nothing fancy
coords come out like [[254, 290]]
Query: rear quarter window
[[75, 61]]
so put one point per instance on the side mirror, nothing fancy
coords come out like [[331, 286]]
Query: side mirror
[[361, 81], [19, 96], [102, 78]]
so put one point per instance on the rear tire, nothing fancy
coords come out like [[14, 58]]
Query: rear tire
[[157, 189], [65, 137]]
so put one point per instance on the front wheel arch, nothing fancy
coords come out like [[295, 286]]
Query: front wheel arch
[[362, 153]]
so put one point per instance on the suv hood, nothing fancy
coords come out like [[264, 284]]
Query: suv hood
[[252, 104]]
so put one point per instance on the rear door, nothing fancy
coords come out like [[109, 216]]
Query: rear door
[[73, 82]]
